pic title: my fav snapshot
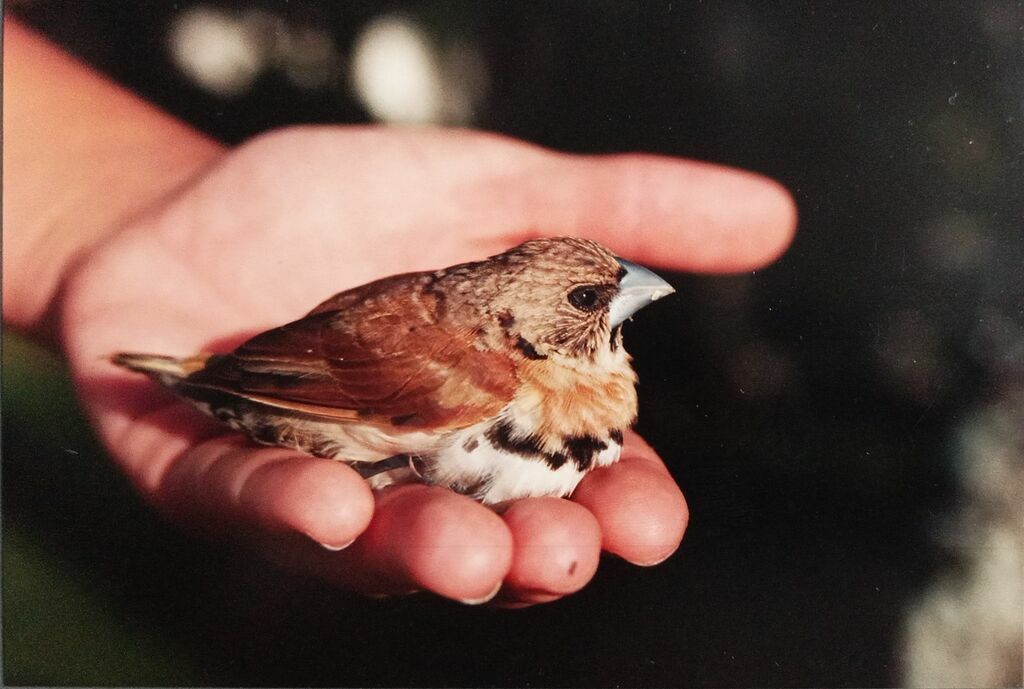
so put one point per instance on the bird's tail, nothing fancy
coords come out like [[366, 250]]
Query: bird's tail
[[166, 370]]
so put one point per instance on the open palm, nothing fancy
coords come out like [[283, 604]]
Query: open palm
[[297, 215]]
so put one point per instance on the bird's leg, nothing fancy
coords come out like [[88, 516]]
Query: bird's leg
[[367, 469]]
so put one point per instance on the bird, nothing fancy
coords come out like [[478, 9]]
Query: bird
[[500, 379]]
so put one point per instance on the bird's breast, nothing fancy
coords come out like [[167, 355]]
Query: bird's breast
[[561, 424], [556, 401]]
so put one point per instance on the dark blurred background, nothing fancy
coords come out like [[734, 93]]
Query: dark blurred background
[[846, 424]]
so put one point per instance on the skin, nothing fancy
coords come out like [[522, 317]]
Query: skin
[[187, 247]]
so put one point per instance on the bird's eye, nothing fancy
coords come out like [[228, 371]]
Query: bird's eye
[[584, 298]]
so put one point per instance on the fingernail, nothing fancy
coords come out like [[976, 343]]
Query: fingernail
[[652, 563], [331, 546], [480, 601]]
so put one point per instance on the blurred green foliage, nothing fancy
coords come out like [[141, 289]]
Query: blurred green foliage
[[64, 622]]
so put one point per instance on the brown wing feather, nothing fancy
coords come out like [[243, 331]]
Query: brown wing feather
[[388, 358]]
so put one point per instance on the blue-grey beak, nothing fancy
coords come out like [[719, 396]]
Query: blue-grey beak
[[637, 288]]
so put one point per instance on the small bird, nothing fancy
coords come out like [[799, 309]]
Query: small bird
[[500, 379]]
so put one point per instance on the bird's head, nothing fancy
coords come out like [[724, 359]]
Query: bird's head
[[569, 296]]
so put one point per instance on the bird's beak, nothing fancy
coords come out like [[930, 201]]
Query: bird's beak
[[637, 288]]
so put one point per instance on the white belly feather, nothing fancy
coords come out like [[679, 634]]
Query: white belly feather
[[472, 460]]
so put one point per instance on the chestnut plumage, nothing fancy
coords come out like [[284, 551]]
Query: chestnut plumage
[[500, 379]]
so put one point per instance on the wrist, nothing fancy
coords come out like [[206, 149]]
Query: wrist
[[82, 157]]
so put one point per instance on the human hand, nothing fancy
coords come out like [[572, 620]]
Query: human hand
[[297, 215]]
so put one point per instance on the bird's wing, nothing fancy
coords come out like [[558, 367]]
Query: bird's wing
[[399, 370]]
